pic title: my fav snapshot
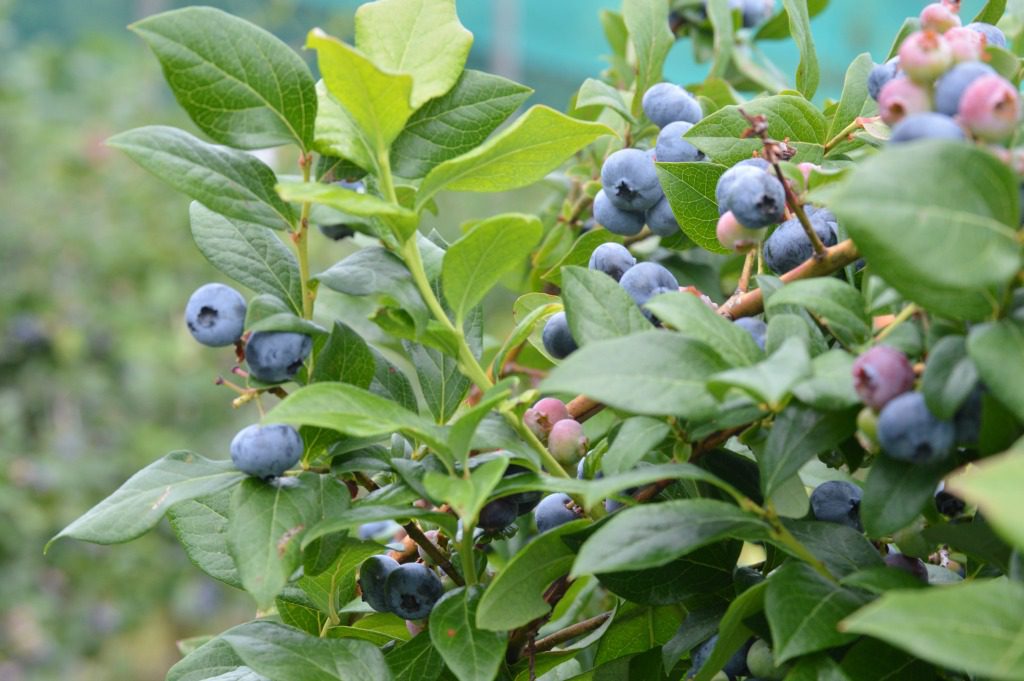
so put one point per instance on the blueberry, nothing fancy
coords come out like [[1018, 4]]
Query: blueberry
[[909, 432], [939, 17], [612, 259], [266, 451], [373, 574], [927, 125], [925, 55], [337, 232], [755, 327], [949, 89], [725, 182], [837, 501], [614, 219], [498, 514], [990, 108], [665, 103], [215, 315], [661, 219], [275, 356], [880, 374], [967, 45], [557, 337], [788, 246], [902, 97], [967, 420], [910, 565], [630, 180], [411, 590], [567, 441], [993, 34], [761, 661], [553, 510], [645, 280], [525, 501], [756, 198], [544, 414], [735, 667], [947, 504], [672, 148], [880, 75]]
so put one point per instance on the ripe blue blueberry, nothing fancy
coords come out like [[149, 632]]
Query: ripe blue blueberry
[[612, 259], [275, 356], [661, 219], [630, 180], [908, 431], [665, 103], [837, 501], [645, 280], [557, 337], [949, 89], [614, 219], [947, 504], [411, 590], [880, 374], [755, 327], [554, 510], [373, 573], [788, 246], [672, 148], [498, 514], [880, 75], [927, 125], [215, 315], [266, 451], [735, 667], [725, 182], [756, 198], [993, 34]]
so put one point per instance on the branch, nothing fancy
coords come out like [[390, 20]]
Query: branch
[[571, 632], [430, 548]]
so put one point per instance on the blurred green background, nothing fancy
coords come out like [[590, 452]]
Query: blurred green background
[[98, 375]]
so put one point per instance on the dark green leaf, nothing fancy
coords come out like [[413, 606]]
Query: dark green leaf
[[636, 629], [871, 660], [997, 351], [770, 380], [831, 386], [807, 72], [833, 303], [842, 549], [201, 526], [345, 357], [470, 653], [732, 631], [704, 575], [798, 435], [690, 189], [691, 317], [854, 96], [415, 660], [297, 610], [949, 376], [442, 383], [636, 437], [896, 492], [994, 485], [598, 308], [210, 660]]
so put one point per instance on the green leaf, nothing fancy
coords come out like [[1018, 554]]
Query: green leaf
[[455, 123], [803, 609], [345, 357], [535, 144], [281, 652], [636, 437], [724, 39], [265, 526], [352, 411], [654, 534], [701, 576], [691, 317], [994, 485], [474, 264], [652, 40], [422, 38], [992, 12], [213, 659], [854, 96], [719, 135], [636, 629], [516, 596], [338, 134], [330, 495], [250, 254], [807, 72], [777, 28], [949, 376], [871, 660], [297, 610], [233, 183], [415, 660], [329, 589], [798, 435], [732, 631], [579, 253], [690, 189], [894, 223], [201, 526], [466, 496], [770, 380], [842, 549], [402, 220], [442, 383], [653, 373], [997, 351], [896, 492], [598, 308], [834, 304], [470, 653], [139, 504], [597, 93], [376, 99], [831, 386], [242, 86], [975, 626]]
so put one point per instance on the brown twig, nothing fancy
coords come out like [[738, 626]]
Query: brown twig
[[431, 549], [571, 632], [519, 638]]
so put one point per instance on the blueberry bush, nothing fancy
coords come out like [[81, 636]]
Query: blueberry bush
[[815, 477]]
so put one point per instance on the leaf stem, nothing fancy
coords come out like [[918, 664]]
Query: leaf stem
[[301, 237], [905, 314], [466, 549], [387, 183]]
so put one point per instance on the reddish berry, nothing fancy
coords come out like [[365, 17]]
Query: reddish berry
[[925, 55], [967, 44], [881, 374], [900, 97], [940, 16], [567, 441], [990, 108], [544, 414], [734, 236]]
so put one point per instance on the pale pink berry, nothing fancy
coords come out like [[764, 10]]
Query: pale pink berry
[[414, 627], [925, 55], [567, 442], [990, 108], [544, 414], [967, 44], [805, 170], [940, 16], [900, 97], [734, 236]]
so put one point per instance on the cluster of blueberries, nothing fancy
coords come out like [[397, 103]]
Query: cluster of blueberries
[[408, 590], [215, 315], [939, 86]]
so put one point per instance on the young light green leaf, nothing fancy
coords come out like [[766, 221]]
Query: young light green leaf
[[997, 351], [994, 485], [242, 86], [471, 653], [690, 189], [338, 134], [422, 38], [770, 380], [992, 12], [807, 72], [201, 526], [598, 308], [975, 627], [139, 504], [798, 434], [233, 183], [535, 144], [250, 254], [402, 220], [833, 303], [652, 40]]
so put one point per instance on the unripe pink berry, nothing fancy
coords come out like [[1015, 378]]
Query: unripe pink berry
[[734, 236], [567, 442], [900, 97], [880, 374], [544, 414], [925, 55], [939, 16], [415, 627], [805, 169], [990, 108], [967, 44]]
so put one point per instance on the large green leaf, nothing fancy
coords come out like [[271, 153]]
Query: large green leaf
[[455, 123], [799, 434], [423, 38], [700, 577], [732, 630], [597, 308], [139, 504], [833, 303], [975, 626], [201, 526], [402, 220], [233, 183], [476, 262], [415, 660], [345, 357], [914, 222], [896, 492], [854, 96], [995, 486], [214, 659], [691, 317], [250, 254], [842, 549], [830, 388], [654, 373], [997, 351], [992, 12], [636, 437], [652, 40], [471, 653], [337, 133], [807, 72], [535, 144], [690, 189], [770, 380], [242, 86], [635, 629], [442, 383]]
